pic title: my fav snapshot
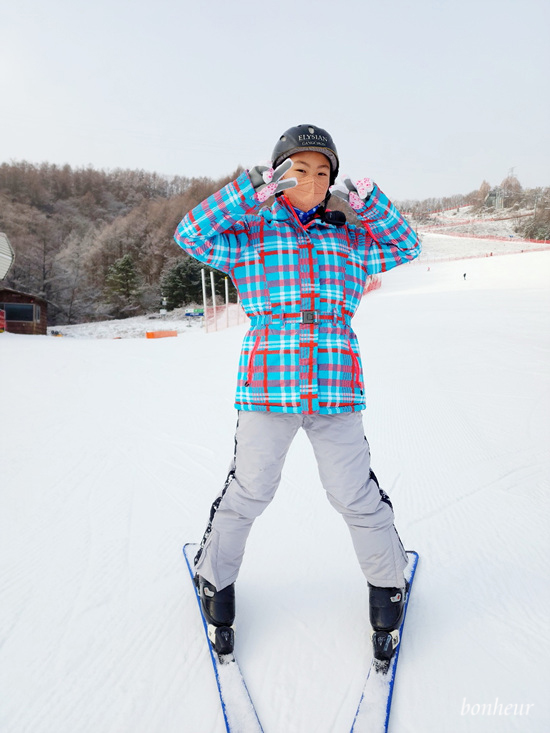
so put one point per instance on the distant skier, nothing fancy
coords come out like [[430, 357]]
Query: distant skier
[[300, 270], [465, 276]]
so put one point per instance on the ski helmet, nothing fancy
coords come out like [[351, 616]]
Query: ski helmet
[[306, 137]]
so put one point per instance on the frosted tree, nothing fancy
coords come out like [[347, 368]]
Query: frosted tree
[[511, 189]]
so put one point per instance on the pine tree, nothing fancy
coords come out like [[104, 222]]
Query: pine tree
[[122, 286], [182, 284]]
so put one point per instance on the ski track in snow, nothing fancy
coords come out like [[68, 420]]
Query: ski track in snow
[[113, 450]]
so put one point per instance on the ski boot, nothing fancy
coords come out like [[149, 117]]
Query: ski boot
[[386, 609], [218, 608]]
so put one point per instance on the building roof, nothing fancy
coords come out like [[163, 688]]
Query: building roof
[[36, 298]]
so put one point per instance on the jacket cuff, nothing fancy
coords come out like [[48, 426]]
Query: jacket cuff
[[245, 190]]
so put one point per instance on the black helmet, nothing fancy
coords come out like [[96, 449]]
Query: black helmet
[[306, 137]]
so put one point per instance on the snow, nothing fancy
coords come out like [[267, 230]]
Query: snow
[[114, 448], [442, 245], [175, 320], [484, 223]]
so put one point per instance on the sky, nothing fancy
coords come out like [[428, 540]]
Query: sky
[[428, 98]]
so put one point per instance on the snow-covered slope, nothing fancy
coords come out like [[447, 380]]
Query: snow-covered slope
[[112, 451], [501, 223]]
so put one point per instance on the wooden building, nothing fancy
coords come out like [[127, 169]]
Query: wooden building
[[24, 313]]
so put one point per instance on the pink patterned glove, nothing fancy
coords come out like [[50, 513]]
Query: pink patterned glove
[[354, 193], [267, 182]]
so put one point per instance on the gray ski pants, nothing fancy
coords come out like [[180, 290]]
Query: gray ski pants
[[262, 441]]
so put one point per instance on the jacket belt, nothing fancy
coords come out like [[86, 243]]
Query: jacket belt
[[305, 317]]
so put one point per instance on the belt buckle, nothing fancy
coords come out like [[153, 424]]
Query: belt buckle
[[309, 317]]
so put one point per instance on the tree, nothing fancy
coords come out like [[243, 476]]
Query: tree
[[182, 284], [538, 226], [122, 286], [484, 190], [511, 190]]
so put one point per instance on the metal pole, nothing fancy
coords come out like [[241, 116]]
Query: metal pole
[[213, 299], [203, 278]]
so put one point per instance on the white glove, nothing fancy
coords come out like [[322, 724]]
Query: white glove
[[354, 193], [267, 182]]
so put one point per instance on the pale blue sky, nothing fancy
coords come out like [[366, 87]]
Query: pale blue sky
[[426, 97]]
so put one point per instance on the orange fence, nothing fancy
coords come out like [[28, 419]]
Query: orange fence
[[427, 260], [160, 334], [512, 240], [224, 316]]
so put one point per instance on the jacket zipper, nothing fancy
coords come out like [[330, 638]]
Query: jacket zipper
[[250, 371], [355, 370]]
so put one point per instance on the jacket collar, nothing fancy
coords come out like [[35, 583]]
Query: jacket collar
[[280, 211]]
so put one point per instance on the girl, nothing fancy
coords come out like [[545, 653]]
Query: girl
[[300, 270]]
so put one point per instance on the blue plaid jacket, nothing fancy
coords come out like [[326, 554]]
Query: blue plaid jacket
[[300, 286]]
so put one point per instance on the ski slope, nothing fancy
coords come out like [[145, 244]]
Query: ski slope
[[113, 450]]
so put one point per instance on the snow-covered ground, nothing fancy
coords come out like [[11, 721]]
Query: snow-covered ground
[[134, 327], [113, 449], [182, 320], [438, 246]]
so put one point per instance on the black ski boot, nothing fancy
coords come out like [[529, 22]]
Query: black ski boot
[[386, 608], [219, 610]]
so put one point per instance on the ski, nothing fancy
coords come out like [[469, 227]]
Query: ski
[[373, 712], [238, 709]]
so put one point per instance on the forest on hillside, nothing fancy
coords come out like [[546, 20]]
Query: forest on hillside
[[96, 244], [99, 244]]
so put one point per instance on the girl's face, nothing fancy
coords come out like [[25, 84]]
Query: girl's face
[[312, 171]]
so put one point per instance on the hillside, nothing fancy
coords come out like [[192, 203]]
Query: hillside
[[472, 222], [70, 228]]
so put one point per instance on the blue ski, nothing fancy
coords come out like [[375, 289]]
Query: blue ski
[[238, 709], [373, 713]]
